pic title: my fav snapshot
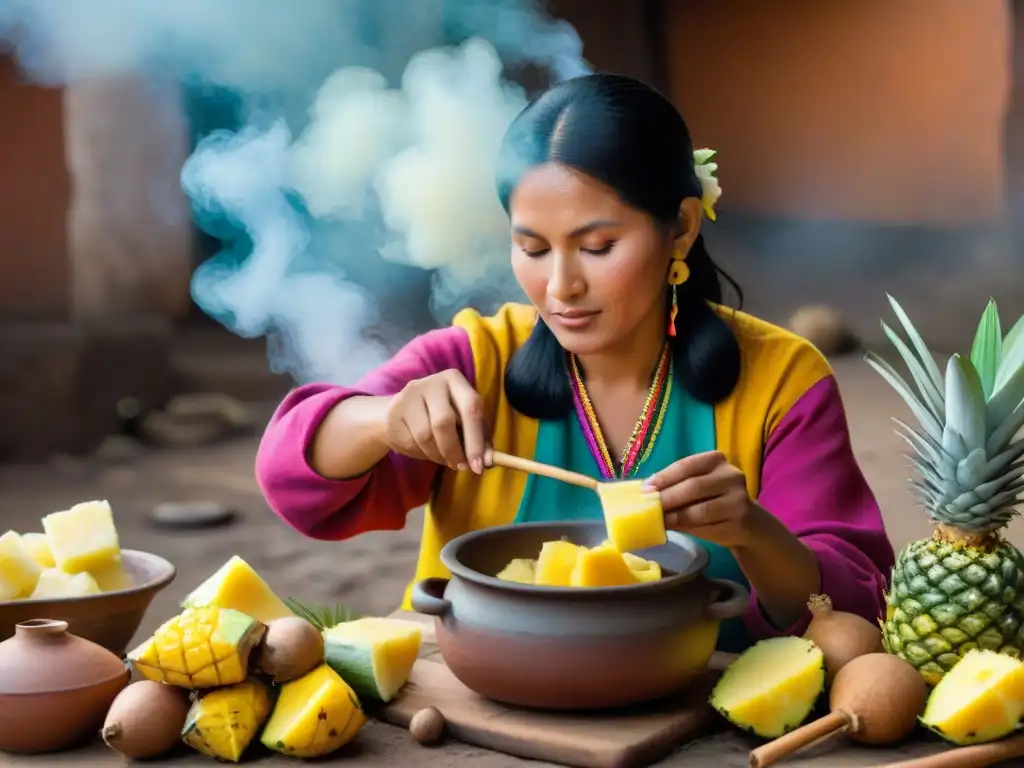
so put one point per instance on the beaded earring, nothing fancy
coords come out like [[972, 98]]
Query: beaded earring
[[678, 274]]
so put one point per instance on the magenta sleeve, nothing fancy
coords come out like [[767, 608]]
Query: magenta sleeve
[[811, 482], [381, 498]]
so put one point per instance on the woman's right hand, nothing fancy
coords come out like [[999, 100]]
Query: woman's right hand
[[425, 419]]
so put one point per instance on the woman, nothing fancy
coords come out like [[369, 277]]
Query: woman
[[741, 428]]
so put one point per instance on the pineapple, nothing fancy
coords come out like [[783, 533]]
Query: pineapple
[[981, 699], [772, 687], [961, 588]]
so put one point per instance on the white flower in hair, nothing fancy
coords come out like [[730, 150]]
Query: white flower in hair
[[705, 170]]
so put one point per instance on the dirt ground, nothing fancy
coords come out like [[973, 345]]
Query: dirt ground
[[369, 573]]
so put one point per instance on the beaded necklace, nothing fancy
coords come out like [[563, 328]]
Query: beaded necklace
[[647, 427]]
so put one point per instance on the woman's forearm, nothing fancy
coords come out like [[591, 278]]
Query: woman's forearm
[[350, 440], [782, 569]]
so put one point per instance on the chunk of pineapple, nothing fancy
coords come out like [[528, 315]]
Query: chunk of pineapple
[[200, 648], [980, 699], [112, 576], [56, 584], [223, 723], [373, 655], [315, 715], [772, 687], [601, 567], [36, 545], [521, 570], [556, 563], [237, 586], [634, 517], [644, 570], [19, 572], [82, 538]]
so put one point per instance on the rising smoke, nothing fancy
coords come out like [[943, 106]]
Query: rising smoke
[[369, 138]]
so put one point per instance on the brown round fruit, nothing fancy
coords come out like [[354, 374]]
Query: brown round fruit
[[291, 647], [882, 694], [145, 720], [841, 636], [427, 725]]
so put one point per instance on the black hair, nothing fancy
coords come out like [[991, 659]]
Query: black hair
[[630, 137]]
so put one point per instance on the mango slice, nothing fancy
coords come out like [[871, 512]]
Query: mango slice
[[237, 586], [200, 648], [223, 723], [315, 715]]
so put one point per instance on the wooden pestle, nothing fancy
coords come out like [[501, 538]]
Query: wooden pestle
[[976, 756], [823, 729], [507, 460]]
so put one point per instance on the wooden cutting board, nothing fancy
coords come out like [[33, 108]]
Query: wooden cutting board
[[632, 739]]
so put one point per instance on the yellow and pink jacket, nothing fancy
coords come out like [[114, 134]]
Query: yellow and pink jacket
[[784, 425]]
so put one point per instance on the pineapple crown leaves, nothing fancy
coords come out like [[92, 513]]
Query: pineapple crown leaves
[[971, 468], [320, 616]]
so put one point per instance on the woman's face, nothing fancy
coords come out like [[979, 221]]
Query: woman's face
[[594, 267]]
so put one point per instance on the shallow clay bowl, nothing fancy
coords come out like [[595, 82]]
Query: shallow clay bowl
[[574, 648], [109, 619]]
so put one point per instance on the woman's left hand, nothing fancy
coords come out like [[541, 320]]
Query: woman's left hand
[[706, 496]]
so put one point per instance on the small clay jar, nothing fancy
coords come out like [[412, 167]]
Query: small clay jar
[[55, 688]]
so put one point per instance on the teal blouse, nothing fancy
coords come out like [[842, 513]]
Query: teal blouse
[[688, 428]]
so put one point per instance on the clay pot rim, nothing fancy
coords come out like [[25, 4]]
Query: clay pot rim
[[165, 575], [450, 559]]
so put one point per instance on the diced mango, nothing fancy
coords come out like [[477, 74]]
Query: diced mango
[[556, 563], [634, 517], [36, 545], [237, 586], [55, 584], [200, 648], [601, 567], [521, 570], [19, 572], [82, 538]]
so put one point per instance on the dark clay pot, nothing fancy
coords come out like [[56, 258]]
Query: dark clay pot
[[574, 648]]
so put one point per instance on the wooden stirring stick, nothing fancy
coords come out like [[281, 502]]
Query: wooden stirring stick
[[977, 756], [507, 460]]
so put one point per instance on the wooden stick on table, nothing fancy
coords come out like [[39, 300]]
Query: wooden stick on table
[[977, 756], [507, 460]]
